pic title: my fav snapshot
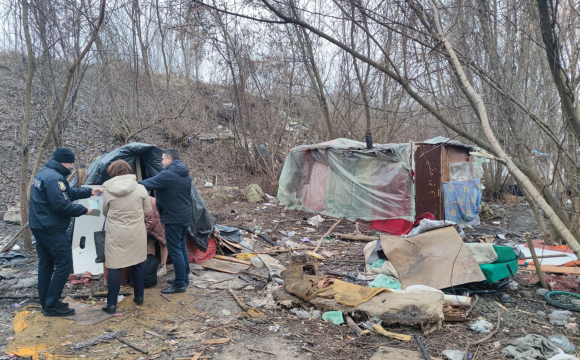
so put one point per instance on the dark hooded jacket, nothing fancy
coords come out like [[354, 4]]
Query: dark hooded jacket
[[51, 199], [172, 193]]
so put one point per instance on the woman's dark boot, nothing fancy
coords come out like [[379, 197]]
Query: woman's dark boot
[[111, 309]]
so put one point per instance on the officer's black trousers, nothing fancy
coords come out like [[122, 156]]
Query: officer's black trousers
[[54, 265]]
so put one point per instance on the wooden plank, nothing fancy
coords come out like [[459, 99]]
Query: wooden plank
[[556, 269], [445, 174], [223, 266], [138, 168], [227, 258], [216, 341]]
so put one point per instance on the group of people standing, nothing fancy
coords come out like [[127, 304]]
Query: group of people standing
[[134, 220]]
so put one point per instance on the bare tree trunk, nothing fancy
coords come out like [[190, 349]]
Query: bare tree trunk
[[162, 34], [363, 83], [69, 75], [124, 128], [516, 172], [567, 97], [26, 130], [315, 79]]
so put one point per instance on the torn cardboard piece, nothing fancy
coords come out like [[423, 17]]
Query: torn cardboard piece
[[438, 258]]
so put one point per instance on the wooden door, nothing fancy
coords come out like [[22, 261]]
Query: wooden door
[[429, 193]]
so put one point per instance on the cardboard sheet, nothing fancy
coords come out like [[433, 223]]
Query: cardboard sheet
[[437, 258], [86, 314]]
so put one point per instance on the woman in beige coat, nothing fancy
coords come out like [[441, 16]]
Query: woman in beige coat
[[125, 204]]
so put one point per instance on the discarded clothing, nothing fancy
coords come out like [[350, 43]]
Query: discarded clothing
[[462, 200], [427, 225], [233, 234], [399, 226], [530, 347], [483, 253], [12, 257], [384, 281], [195, 254], [344, 293]]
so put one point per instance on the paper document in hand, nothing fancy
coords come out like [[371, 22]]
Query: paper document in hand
[[95, 206]]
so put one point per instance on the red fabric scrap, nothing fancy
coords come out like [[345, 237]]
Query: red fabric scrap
[[399, 226], [196, 255], [568, 283]]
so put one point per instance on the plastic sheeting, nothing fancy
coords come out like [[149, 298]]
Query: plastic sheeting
[[201, 224], [463, 171], [341, 178], [462, 202]]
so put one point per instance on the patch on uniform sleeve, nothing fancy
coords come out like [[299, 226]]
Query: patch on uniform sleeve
[[61, 186]]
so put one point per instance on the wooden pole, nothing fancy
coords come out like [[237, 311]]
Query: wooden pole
[[325, 235], [13, 240], [539, 271]]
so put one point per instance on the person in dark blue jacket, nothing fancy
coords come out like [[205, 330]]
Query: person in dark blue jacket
[[49, 214], [173, 200]]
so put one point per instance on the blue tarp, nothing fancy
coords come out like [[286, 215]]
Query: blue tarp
[[462, 200]]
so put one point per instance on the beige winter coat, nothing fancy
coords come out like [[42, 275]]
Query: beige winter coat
[[125, 204]]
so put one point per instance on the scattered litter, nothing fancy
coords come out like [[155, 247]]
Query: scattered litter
[[301, 313], [316, 220], [117, 314], [496, 222], [16, 247], [274, 328], [305, 239], [541, 313], [496, 344], [481, 326], [513, 285], [288, 233], [334, 317], [501, 236], [314, 255], [561, 317], [561, 342], [257, 263], [383, 280], [316, 314], [226, 312], [542, 291], [309, 230], [208, 184], [571, 326], [453, 354]]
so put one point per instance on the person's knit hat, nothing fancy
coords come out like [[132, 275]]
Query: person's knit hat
[[63, 155]]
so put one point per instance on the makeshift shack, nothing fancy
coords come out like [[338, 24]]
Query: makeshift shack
[[145, 160], [389, 184]]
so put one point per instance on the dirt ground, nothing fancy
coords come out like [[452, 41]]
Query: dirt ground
[[176, 326]]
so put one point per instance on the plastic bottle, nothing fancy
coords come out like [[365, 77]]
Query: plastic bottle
[[561, 342]]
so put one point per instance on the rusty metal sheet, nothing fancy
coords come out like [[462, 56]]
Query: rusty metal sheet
[[428, 195]]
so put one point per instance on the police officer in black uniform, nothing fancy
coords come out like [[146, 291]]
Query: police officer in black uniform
[[49, 214]]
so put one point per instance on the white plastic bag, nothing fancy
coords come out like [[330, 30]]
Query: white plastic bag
[[453, 354]]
